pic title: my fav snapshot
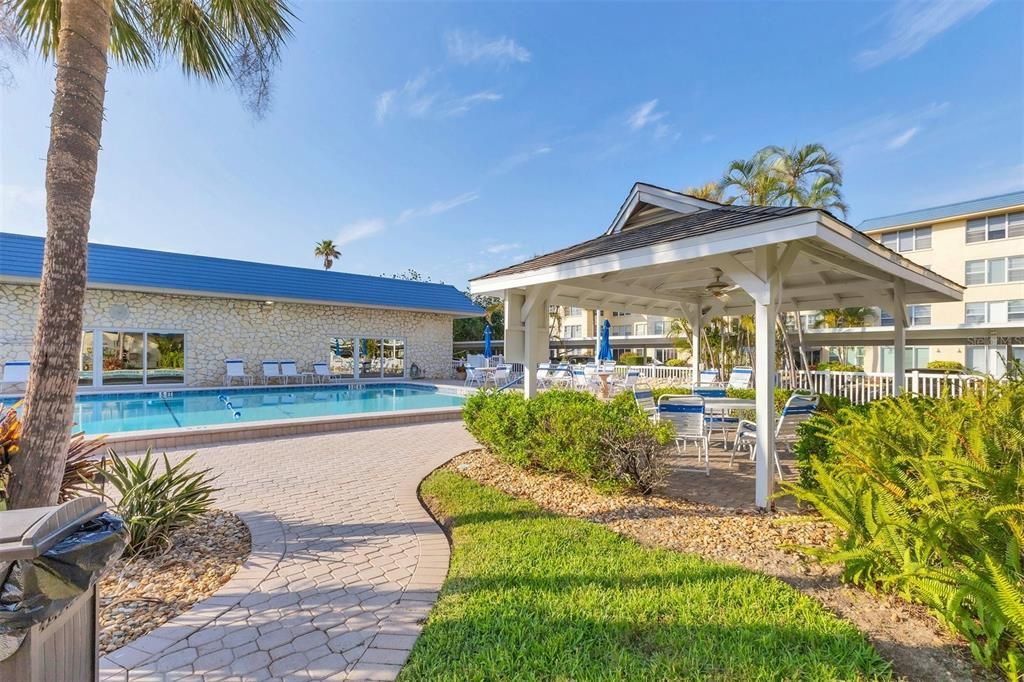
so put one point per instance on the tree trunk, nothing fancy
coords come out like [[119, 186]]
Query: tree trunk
[[800, 342], [780, 323], [75, 126]]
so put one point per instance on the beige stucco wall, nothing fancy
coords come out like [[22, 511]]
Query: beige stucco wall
[[218, 328]]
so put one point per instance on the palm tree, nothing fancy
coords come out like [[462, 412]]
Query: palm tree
[[214, 40], [800, 166], [711, 191], [825, 193], [754, 180], [326, 249]]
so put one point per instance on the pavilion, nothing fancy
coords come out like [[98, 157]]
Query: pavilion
[[667, 253]]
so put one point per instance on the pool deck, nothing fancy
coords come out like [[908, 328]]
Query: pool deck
[[344, 569]]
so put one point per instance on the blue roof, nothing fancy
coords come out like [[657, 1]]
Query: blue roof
[[22, 256], [925, 215]]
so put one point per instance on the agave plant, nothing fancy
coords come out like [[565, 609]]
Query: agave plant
[[155, 503], [928, 496]]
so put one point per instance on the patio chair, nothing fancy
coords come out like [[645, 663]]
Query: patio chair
[[473, 377], [271, 370], [235, 369], [628, 382], [643, 396], [582, 382], [560, 377], [502, 373], [717, 420], [322, 374], [15, 373], [707, 377], [741, 377], [799, 408], [543, 374], [686, 414], [289, 371]]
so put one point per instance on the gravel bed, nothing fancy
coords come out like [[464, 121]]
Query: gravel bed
[[140, 594], [917, 644]]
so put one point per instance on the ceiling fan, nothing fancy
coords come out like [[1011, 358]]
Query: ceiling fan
[[718, 288]]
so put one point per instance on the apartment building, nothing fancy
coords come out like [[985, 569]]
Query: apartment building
[[979, 243], [578, 323]]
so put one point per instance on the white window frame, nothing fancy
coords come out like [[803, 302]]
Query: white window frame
[[892, 239], [97, 356], [921, 310], [995, 222], [1010, 275]]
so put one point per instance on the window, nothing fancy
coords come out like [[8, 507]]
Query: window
[[976, 313], [1015, 310], [86, 368], [620, 330], [914, 357], [129, 358], [991, 359], [918, 315], [911, 239], [575, 311], [165, 358], [661, 328], [995, 227], [994, 270], [376, 357], [640, 329], [573, 331], [616, 314], [341, 360]]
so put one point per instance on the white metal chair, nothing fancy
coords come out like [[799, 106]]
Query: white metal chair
[[235, 369], [271, 370], [799, 408], [628, 382], [502, 374], [543, 374], [290, 371], [707, 377], [322, 373], [473, 377], [741, 377], [580, 380], [15, 373], [686, 414], [717, 420]]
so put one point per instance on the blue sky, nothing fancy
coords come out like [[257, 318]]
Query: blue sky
[[455, 139]]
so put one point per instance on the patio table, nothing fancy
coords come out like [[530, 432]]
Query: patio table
[[730, 403], [604, 376]]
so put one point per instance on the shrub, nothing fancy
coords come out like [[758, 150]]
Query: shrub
[[80, 466], [154, 505], [948, 365], [631, 359], [839, 367], [677, 362], [927, 497], [607, 443]]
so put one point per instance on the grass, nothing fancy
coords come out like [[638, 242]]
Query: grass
[[536, 596]]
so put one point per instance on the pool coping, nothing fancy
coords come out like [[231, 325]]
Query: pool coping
[[133, 442]]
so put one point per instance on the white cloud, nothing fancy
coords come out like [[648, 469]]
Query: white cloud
[[440, 206], [502, 248], [644, 115], [463, 104], [912, 24], [708, 137], [903, 138], [360, 230], [419, 98], [469, 47], [519, 159], [886, 130]]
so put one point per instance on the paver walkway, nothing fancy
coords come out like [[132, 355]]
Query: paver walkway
[[344, 567]]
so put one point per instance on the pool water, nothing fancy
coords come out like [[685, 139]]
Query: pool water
[[115, 413]]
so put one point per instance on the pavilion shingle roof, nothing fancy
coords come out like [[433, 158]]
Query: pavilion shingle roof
[[695, 224]]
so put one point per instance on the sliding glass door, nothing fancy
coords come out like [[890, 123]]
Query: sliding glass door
[[366, 357], [131, 358]]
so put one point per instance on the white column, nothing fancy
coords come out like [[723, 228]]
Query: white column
[[538, 344], [696, 320], [598, 318], [765, 307], [514, 348], [899, 315]]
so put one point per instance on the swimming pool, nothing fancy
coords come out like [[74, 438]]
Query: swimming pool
[[120, 412]]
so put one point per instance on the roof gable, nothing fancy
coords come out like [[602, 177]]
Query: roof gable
[[648, 204], [21, 258]]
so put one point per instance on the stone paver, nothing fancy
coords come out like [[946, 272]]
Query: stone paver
[[344, 568]]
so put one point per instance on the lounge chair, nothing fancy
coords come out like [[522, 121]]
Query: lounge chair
[[799, 408], [686, 414], [473, 377], [581, 381], [235, 369], [644, 398], [15, 373], [322, 374], [628, 382], [290, 371], [543, 374], [741, 377], [707, 377], [271, 370]]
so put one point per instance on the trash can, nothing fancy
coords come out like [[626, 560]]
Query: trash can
[[50, 560]]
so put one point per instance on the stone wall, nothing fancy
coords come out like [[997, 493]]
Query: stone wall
[[218, 328]]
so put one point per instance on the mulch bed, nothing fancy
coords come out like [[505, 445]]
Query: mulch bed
[[917, 644], [140, 594]]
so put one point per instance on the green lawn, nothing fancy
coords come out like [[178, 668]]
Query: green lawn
[[535, 596]]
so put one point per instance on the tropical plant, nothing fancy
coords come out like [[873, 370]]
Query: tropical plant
[[810, 175], [216, 40], [948, 365], [326, 250], [753, 180], [80, 467], [155, 504], [711, 191], [927, 497]]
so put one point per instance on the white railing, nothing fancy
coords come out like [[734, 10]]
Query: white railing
[[659, 374], [863, 387]]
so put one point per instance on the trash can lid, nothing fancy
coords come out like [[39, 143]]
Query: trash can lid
[[27, 533]]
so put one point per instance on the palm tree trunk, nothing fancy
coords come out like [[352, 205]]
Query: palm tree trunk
[[800, 341], [780, 323], [75, 127]]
